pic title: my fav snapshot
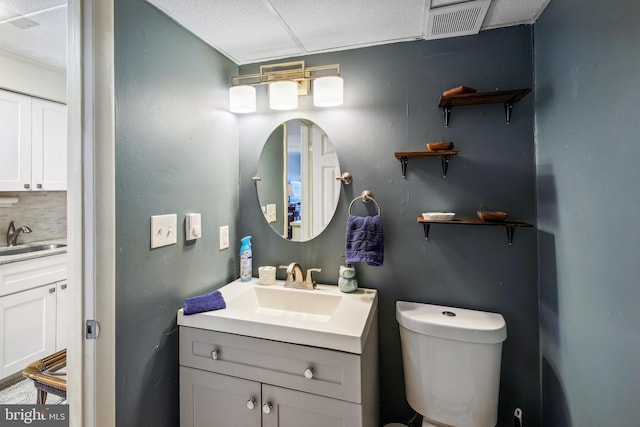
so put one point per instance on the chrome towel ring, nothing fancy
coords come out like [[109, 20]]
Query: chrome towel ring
[[366, 197]]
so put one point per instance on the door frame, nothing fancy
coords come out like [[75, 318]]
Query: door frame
[[91, 211]]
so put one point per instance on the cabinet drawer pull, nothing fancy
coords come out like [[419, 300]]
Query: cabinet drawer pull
[[63, 286], [266, 408], [38, 185], [251, 403], [308, 373], [27, 186], [52, 290], [215, 354]]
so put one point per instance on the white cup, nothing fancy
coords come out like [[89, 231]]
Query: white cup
[[267, 275]]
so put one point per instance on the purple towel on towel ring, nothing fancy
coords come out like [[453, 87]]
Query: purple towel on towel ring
[[364, 240], [208, 302]]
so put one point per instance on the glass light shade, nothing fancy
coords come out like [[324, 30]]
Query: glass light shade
[[327, 91], [283, 95], [242, 99]]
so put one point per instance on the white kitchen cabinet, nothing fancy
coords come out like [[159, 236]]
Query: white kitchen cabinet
[[48, 145], [34, 144], [62, 314], [228, 379], [33, 311], [27, 327], [15, 141]]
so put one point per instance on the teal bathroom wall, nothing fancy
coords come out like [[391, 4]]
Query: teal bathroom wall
[[391, 104], [176, 152], [588, 121]]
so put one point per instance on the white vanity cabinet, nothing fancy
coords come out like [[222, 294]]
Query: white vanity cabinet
[[32, 311], [34, 143], [228, 379]]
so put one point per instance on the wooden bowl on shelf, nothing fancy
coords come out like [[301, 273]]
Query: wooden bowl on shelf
[[492, 215], [440, 146]]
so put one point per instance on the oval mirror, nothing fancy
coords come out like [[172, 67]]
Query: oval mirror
[[297, 189]]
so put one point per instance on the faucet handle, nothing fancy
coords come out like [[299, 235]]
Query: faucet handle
[[294, 272], [309, 280]]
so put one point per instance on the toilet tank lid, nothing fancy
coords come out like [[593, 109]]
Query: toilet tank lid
[[452, 323]]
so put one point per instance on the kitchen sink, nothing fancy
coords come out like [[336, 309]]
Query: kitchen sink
[[25, 249]]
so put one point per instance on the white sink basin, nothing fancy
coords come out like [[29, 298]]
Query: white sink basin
[[323, 317]]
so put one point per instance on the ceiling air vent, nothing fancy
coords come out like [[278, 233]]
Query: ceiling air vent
[[458, 19]]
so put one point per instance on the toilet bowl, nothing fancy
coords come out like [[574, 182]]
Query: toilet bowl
[[451, 359]]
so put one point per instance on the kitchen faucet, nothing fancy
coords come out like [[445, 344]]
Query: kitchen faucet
[[295, 277], [13, 233]]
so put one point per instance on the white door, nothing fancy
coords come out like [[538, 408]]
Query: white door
[[27, 327], [326, 189], [49, 145], [15, 141]]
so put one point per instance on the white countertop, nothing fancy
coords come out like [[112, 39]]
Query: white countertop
[[344, 328]]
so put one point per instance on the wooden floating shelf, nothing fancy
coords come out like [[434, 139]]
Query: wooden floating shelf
[[506, 97], [510, 225], [443, 155]]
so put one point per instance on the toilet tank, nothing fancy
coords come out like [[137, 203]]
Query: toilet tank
[[451, 360]]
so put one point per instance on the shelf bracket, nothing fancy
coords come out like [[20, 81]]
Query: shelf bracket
[[508, 109], [510, 232], [445, 165], [404, 160], [446, 112], [426, 227]]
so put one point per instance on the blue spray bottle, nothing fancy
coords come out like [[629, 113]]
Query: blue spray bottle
[[245, 259]]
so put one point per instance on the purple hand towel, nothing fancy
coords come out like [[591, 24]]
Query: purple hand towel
[[208, 302], [364, 240]]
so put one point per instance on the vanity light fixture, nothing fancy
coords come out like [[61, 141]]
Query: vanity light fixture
[[287, 81]]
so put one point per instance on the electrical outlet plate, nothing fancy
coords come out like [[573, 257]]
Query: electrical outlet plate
[[224, 237], [164, 230]]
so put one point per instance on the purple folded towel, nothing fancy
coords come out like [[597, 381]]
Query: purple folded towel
[[208, 302], [364, 240]]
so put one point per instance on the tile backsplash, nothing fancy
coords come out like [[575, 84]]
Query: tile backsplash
[[45, 212]]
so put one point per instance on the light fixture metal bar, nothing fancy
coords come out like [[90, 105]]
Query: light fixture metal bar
[[294, 70]]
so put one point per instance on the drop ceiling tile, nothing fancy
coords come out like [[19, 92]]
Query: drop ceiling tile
[[336, 24], [244, 31]]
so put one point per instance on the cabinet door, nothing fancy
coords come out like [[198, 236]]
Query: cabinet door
[[49, 145], [290, 408], [15, 141], [27, 328], [62, 315], [214, 400]]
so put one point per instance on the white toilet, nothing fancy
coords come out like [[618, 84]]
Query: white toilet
[[451, 360]]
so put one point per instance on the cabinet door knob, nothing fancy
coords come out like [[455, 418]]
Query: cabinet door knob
[[215, 354], [266, 408], [27, 186], [63, 286], [308, 373], [52, 290], [38, 185], [251, 403]]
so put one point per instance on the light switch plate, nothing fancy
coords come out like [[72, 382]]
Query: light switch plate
[[224, 237], [271, 213], [164, 230], [193, 226]]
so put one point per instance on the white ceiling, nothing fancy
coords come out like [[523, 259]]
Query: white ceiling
[[249, 31]]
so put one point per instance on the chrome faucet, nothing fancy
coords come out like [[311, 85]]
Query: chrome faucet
[[295, 277], [13, 233]]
